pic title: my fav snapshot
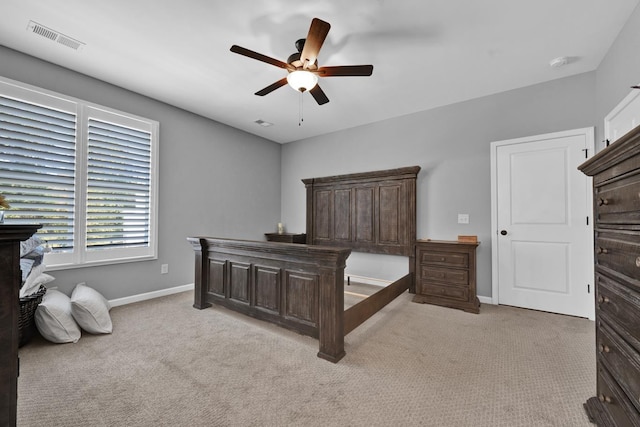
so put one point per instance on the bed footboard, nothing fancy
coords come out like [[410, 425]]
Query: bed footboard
[[298, 287]]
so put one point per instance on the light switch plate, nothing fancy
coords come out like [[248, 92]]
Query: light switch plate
[[463, 218]]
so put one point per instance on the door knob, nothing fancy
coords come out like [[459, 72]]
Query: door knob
[[503, 232]]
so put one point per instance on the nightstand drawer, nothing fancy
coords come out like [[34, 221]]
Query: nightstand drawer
[[444, 275], [446, 291], [444, 258]]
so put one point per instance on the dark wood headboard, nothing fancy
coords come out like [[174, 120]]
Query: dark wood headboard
[[371, 212]]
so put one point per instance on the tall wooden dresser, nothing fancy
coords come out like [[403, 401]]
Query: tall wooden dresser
[[616, 188], [10, 278]]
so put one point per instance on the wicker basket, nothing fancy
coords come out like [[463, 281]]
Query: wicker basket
[[26, 322]]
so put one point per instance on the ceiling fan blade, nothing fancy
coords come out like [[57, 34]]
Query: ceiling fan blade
[[319, 95], [635, 87], [272, 87], [260, 57], [346, 70], [317, 33]]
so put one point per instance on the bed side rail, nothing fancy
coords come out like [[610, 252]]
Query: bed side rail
[[356, 315]]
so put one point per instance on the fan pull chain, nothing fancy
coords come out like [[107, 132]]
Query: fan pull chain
[[300, 115]]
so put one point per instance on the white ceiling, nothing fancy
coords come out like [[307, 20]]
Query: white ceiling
[[425, 53]]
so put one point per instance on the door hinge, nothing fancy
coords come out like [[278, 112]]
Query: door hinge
[[587, 220], [588, 288], [586, 153]]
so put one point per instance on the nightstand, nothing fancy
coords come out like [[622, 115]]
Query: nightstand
[[445, 274], [286, 237]]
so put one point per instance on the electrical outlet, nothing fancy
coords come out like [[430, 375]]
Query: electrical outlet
[[164, 268], [463, 218]]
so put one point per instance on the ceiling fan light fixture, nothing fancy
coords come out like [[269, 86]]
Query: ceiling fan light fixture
[[301, 80]]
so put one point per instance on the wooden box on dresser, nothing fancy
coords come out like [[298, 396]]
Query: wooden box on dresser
[[616, 189], [445, 274], [10, 278]]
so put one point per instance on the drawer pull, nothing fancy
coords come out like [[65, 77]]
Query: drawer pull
[[638, 261], [602, 299], [604, 348], [604, 398], [603, 250], [603, 202]]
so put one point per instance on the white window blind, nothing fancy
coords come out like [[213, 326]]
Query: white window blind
[[37, 172], [86, 173], [118, 186]]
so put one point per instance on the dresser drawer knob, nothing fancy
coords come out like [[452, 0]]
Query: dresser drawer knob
[[602, 202], [602, 299], [604, 398], [603, 250], [638, 261], [604, 348]]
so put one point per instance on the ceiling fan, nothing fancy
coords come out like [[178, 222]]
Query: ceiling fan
[[302, 66]]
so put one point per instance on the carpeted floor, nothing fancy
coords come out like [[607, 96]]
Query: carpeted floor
[[168, 364]]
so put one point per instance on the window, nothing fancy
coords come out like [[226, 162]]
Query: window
[[85, 172]]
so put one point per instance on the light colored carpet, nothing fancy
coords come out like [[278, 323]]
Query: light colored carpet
[[168, 364]]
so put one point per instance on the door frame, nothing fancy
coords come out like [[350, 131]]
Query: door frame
[[589, 134], [629, 102]]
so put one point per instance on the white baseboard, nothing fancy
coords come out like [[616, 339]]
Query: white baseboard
[[485, 300], [150, 295], [368, 280]]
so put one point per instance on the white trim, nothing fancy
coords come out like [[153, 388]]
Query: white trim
[[588, 133], [150, 295], [83, 110], [617, 110], [368, 280], [486, 300]]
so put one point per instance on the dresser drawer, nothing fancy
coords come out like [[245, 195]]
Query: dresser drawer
[[618, 305], [615, 401], [444, 258], [619, 202], [620, 252], [444, 275], [446, 291], [621, 360]]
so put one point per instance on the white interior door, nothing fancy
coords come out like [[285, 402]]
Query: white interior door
[[542, 237]]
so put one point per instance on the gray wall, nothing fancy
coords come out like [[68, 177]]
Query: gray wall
[[451, 144], [214, 180], [208, 171]]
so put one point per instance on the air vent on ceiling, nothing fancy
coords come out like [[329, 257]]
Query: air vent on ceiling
[[50, 34]]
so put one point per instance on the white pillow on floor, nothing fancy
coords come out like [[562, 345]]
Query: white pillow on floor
[[54, 320], [91, 310]]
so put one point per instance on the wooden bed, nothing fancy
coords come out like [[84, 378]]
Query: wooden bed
[[301, 287]]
